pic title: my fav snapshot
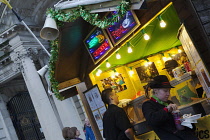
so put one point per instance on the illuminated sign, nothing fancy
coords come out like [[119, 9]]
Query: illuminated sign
[[97, 44], [120, 30]]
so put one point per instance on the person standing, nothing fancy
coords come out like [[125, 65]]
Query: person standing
[[66, 133], [89, 135], [116, 125], [76, 133], [71, 133], [158, 112]]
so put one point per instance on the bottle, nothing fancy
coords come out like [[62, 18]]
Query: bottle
[[187, 66], [177, 117]]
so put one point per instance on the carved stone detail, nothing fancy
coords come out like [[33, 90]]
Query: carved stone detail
[[18, 55]]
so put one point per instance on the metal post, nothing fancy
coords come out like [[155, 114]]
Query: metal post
[[18, 17]]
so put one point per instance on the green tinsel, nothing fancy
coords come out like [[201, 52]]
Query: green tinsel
[[52, 64], [60, 17]]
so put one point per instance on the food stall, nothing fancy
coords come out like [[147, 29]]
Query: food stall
[[139, 53], [128, 53]]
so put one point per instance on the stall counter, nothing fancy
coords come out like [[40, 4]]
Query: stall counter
[[202, 130]]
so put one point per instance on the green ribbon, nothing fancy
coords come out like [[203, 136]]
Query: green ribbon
[[159, 101]]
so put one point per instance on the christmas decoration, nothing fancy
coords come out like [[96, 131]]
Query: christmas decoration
[[52, 64], [94, 19], [60, 17]]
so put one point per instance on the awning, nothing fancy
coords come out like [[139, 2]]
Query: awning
[[160, 39], [96, 6]]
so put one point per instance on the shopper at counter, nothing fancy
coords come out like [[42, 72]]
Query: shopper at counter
[[115, 121], [158, 112]]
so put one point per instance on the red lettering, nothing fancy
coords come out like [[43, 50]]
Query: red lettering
[[118, 32], [100, 49]]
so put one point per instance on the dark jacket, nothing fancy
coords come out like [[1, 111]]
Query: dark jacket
[[115, 123], [163, 124]]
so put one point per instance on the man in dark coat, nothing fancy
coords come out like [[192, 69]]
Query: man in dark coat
[[115, 121]]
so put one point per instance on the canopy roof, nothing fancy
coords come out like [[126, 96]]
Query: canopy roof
[[75, 62], [161, 39]]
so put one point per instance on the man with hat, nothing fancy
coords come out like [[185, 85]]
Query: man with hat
[[158, 112], [170, 65]]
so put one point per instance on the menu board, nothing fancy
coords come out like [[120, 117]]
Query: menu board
[[97, 44], [124, 27], [96, 104]]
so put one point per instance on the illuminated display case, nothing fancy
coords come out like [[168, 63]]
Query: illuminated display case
[[97, 44], [120, 30]]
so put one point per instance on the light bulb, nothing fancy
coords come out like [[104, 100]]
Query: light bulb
[[118, 56], [116, 73], [99, 71], [146, 36], [130, 50], [147, 63], [164, 59], [113, 76], [179, 50], [108, 64], [131, 72], [98, 74], [162, 24]]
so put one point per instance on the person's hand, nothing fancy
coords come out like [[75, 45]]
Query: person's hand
[[171, 107]]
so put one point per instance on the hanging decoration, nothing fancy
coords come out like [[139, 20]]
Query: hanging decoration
[[60, 17], [94, 19], [52, 64]]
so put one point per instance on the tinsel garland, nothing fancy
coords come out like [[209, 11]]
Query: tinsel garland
[[52, 65], [94, 19], [60, 17]]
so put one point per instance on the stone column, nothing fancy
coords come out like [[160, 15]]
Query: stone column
[[22, 57]]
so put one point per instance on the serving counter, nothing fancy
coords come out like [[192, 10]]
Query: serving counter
[[202, 130], [143, 131]]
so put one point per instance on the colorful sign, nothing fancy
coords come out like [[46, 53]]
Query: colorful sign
[[117, 83], [97, 44], [145, 73], [120, 30]]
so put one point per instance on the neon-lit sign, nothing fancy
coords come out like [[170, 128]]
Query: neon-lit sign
[[120, 30], [97, 44], [97, 39]]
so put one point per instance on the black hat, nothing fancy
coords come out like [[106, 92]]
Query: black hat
[[171, 64], [160, 81]]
